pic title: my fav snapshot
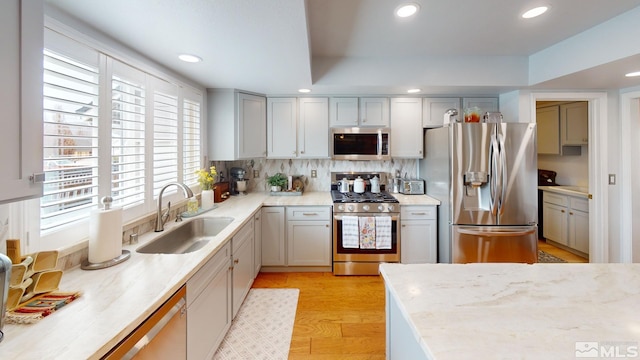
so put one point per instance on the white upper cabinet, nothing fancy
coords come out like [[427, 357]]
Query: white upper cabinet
[[574, 123], [374, 112], [313, 128], [485, 104], [237, 125], [298, 128], [343, 111], [433, 110], [357, 112], [282, 128], [548, 121], [406, 128], [22, 41]]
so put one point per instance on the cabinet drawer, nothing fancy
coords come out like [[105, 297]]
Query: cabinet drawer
[[418, 212], [555, 199], [579, 204], [308, 213], [203, 277]]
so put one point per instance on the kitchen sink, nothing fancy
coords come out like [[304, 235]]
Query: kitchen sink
[[188, 237]]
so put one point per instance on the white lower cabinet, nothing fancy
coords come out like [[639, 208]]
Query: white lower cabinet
[[418, 234], [309, 236], [209, 306], [273, 236], [566, 221], [242, 264], [257, 243]]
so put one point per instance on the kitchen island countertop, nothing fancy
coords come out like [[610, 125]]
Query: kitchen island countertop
[[505, 311]]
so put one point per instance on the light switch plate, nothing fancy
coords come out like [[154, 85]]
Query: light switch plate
[[314, 173], [612, 179]]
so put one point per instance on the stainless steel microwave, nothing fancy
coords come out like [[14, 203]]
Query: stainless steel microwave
[[360, 143]]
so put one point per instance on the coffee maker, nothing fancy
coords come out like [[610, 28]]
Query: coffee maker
[[237, 182]]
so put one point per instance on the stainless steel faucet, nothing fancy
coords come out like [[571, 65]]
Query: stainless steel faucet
[[162, 218]]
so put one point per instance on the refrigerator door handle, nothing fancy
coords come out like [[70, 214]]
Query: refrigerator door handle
[[503, 173], [496, 231], [495, 173]]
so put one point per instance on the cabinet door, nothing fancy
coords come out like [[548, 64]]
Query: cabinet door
[[309, 243], [574, 122], [485, 104], [343, 112], [433, 110], [406, 128], [555, 223], [281, 128], [21, 70], [418, 242], [257, 243], [579, 230], [374, 112], [252, 126], [313, 128], [206, 324], [242, 256], [548, 121], [273, 236]]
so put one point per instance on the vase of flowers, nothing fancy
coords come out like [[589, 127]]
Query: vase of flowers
[[206, 179]]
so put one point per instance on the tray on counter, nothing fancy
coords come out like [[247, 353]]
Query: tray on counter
[[286, 193]]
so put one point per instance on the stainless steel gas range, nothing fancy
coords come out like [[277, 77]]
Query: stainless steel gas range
[[363, 207]]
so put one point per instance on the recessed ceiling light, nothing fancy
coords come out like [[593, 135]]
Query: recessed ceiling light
[[406, 10], [304, 90], [535, 12], [413, 91], [633, 74], [189, 58]]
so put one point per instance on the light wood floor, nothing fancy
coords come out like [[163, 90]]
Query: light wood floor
[[562, 254], [338, 317]]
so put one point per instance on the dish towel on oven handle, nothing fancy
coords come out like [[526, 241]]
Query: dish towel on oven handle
[[367, 232], [383, 232], [350, 239]]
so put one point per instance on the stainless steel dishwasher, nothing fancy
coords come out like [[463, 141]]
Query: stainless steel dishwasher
[[162, 336]]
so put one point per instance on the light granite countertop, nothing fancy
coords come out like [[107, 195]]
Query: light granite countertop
[[567, 190], [116, 300], [508, 311]]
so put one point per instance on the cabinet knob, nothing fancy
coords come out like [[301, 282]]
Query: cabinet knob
[[236, 261], [570, 212], [562, 211], [302, 152], [326, 225]]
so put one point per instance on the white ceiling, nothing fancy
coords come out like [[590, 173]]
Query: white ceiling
[[360, 46]]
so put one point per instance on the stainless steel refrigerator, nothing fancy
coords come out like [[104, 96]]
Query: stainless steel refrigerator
[[484, 174]]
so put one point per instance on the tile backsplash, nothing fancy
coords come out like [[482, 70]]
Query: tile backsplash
[[323, 167]]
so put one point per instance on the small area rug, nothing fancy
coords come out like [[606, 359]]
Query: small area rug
[[544, 257], [263, 327]]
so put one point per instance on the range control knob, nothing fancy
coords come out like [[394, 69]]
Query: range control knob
[[380, 208], [390, 207], [365, 207], [341, 207], [350, 207]]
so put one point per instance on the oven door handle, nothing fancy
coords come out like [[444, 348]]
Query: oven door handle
[[393, 217]]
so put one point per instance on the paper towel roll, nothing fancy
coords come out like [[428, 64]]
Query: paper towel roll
[[105, 235]]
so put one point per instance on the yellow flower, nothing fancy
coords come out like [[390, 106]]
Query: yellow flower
[[206, 179]]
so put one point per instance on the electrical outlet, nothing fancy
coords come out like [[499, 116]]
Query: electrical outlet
[[256, 174], [314, 173]]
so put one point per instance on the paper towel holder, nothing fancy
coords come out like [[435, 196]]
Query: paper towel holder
[[126, 254]]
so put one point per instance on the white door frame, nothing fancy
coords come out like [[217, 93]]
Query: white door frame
[[629, 114], [598, 155]]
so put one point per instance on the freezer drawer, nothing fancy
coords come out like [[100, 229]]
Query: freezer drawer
[[471, 244]]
